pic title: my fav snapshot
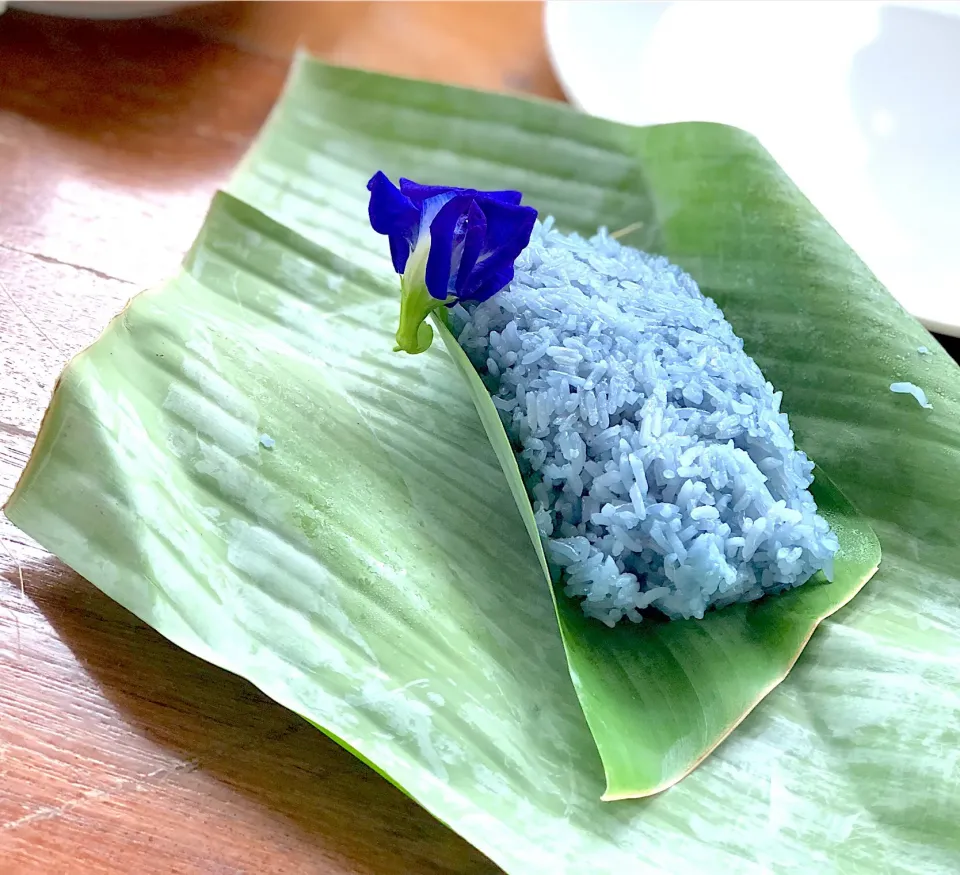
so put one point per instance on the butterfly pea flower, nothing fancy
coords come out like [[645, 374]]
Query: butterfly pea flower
[[448, 244]]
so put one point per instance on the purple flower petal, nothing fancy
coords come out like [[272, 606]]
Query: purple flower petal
[[431, 206], [508, 233], [447, 233], [393, 214], [492, 284], [508, 225], [419, 193], [504, 197], [465, 242], [474, 236]]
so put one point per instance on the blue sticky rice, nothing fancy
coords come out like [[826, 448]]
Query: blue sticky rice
[[661, 470]]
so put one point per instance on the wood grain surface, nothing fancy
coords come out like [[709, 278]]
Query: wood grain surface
[[120, 753]]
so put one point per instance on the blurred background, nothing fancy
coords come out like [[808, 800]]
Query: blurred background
[[855, 99], [114, 135], [119, 120]]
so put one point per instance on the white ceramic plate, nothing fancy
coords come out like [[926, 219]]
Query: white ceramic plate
[[858, 101]]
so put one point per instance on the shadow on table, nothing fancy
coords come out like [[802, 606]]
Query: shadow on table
[[143, 95], [230, 731]]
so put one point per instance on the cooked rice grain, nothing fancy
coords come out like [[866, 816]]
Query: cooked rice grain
[[661, 470]]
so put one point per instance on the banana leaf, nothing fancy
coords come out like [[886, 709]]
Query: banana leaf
[[371, 569], [659, 698]]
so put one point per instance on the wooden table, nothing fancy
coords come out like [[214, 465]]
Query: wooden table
[[118, 752]]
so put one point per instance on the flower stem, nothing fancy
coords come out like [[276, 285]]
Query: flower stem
[[414, 335]]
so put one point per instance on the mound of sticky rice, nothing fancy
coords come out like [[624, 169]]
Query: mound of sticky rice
[[661, 470]]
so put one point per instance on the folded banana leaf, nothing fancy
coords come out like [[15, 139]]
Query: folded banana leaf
[[243, 462], [659, 698]]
